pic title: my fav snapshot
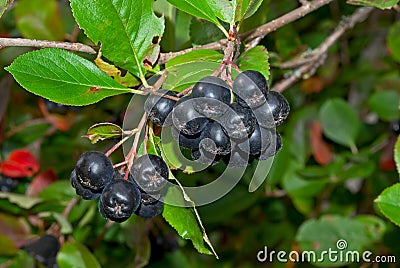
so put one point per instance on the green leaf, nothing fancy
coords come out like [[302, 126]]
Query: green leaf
[[203, 32], [340, 122], [382, 4], [299, 132], [386, 104], [39, 19], [389, 203], [126, 29], [23, 259], [77, 256], [374, 226], [14, 228], [331, 232], [137, 239], [397, 154], [246, 8], [60, 190], [255, 59], [186, 70], [21, 200], [4, 4], [172, 154], [102, 131], [206, 9], [223, 9], [201, 55], [393, 40], [66, 227], [183, 220], [296, 186], [127, 80], [63, 77], [7, 246], [356, 170]]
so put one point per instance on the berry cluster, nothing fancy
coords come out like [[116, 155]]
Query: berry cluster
[[94, 177], [210, 124]]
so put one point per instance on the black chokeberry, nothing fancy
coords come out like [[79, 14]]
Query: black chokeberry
[[273, 112], [210, 97], [395, 127], [258, 141], [7, 184], [202, 156], [152, 198], [279, 107], [150, 172], [159, 108], [85, 193], [237, 158], [186, 141], [44, 250], [94, 170], [250, 89], [272, 149], [119, 199], [215, 140], [186, 119], [150, 210], [238, 122]]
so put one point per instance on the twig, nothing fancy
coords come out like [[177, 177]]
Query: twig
[[129, 134], [21, 42], [132, 153], [277, 23], [310, 64], [257, 33]]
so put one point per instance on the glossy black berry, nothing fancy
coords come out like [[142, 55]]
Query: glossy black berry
[[210, 97], [237, 159], [204, 157], [395, 127], [273, 112], [250, 88], [152, 198], [101, 209], [44, 250], [119, 199], [85, 193], [150, 172], [272, 149], [279, 107], [215, 140], [150, 210], [186, 141], [94, 170], [258, 141], [186, 119], [7, 184], [238, 122], [159, 108]]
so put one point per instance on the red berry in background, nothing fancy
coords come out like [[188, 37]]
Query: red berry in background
[[19, 164]]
